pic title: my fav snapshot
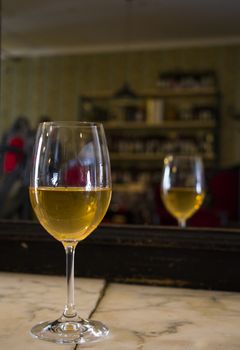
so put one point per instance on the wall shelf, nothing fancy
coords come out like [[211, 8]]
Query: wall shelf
[[194, 91], [149, 157], [143, 129], [168, 124]]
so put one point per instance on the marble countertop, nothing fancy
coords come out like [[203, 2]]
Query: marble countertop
[[139, 317]]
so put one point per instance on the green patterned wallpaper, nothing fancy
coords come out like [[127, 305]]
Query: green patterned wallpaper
[[52, 85]]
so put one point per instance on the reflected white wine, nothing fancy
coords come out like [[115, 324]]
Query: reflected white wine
[[182, 202], [70, 213]]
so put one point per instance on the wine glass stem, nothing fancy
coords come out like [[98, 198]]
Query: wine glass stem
[[182, 223], [70, 310]]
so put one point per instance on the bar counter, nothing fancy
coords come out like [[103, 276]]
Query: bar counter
[[139, 317], [154, 287], [201, 258]]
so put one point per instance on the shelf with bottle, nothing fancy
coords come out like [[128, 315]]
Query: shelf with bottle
[[166, 124], [148, 157], [180, 91], [152, 147], [146, 162], [164, 106], [143, 129]]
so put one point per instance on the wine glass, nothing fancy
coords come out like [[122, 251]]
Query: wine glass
[[183, 186], [70, 191]]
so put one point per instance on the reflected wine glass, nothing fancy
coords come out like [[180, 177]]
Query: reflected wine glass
[[183, 186], [70, 191]]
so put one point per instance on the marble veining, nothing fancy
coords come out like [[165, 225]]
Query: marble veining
[[139, 317], [153, 318], [29, 299]]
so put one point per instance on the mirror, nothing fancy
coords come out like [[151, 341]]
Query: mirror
[[67, 60]]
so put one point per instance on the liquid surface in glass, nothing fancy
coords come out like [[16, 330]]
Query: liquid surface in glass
[[182, 202], [70, 213]]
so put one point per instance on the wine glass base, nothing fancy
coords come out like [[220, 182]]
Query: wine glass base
[[70, 332]]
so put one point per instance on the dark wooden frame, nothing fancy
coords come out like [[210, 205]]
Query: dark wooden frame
[[191, 258]]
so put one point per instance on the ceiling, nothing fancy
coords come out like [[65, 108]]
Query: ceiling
[[33, 27]]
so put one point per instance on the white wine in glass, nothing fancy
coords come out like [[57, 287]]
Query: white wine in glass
[[183, 186], [70, 191]]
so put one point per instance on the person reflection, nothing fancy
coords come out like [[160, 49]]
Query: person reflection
[[15, 152]]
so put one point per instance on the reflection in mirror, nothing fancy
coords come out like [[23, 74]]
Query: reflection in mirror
[[67, 60]]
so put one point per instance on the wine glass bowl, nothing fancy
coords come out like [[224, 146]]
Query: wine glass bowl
[[70, 191], [183, 186]]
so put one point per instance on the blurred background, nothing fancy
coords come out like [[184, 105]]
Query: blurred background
[[163, 77]]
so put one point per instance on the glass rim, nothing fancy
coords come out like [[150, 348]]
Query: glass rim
[[72, 123]]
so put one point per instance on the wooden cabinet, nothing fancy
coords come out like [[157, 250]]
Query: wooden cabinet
[[147, 127], [142, 130]]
